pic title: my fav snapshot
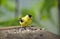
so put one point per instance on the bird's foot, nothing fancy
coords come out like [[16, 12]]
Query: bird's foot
[[24, 28]]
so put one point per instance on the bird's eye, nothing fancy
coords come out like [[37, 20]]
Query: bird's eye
[[30, 15]]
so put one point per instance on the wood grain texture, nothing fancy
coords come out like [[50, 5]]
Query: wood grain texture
[[29, 33]]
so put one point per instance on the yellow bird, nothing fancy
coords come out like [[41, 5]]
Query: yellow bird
[[25, 21]]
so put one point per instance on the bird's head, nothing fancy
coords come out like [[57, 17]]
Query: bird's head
[[29, 16]]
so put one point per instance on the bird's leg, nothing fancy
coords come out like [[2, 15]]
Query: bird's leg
[[18, 28], [24, 28]]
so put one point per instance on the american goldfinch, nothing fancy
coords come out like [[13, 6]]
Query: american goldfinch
[[25, 21]]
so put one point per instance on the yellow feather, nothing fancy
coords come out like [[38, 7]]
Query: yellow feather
[[26, 21]]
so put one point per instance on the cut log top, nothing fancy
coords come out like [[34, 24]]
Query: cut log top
[[26, 33], [7, 28]]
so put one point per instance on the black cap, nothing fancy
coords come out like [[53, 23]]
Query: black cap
[[29, 15]]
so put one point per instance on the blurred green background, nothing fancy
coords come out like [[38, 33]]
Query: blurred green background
[[44, 12]]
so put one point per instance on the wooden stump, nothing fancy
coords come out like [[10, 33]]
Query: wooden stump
[[28, 33]]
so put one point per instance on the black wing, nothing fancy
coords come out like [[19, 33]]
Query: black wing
[[20, 20]]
